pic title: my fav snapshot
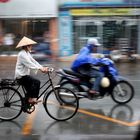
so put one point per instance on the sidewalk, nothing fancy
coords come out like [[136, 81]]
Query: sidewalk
[[123, 58]]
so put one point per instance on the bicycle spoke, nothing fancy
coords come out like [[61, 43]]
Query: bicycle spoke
[[16, 105], [5, 94], [11, 97], [2, 107], [15, 101], [14, 108]]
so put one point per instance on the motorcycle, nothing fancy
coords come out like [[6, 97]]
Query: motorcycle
[[119, 88]]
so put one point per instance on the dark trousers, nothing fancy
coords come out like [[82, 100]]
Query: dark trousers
[[86, 69], [31, 85]]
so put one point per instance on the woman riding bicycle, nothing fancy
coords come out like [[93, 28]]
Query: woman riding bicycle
[[25, 63]]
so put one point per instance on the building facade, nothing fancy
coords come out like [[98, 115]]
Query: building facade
[[32, 18], [67, 24], [115, 22]]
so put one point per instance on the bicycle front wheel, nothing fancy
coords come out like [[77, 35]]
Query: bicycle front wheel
[[10, 103], [61, 104]]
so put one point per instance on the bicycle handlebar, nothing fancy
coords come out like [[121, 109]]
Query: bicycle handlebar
[[50, 69]]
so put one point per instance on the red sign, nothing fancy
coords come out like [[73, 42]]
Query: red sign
[[4, 0]]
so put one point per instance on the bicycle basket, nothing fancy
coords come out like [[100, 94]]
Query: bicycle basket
[[8, 82]]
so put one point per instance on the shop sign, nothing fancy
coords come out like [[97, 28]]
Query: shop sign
[[105, 12]]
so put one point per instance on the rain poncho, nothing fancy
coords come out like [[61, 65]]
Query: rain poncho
[[110, 64], [84, 57]]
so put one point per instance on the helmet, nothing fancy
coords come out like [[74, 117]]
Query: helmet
[[105, 82], [93, 41]]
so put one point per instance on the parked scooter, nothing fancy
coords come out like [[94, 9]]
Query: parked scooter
[[118, 87]]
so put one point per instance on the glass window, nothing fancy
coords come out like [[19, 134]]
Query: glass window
[[82, 30], [11, 31], [114, 33]]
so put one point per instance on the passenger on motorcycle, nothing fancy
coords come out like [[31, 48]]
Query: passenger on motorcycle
[[83, 62]]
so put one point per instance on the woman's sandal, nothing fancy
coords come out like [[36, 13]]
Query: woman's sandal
[[93, 92], [34, 101]]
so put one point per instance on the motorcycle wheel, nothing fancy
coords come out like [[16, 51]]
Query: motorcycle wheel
[[123, 92]]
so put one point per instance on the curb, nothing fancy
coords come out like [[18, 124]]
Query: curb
[[71, 58]]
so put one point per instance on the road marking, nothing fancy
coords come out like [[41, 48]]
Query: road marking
[[135, 123], [27, 126], [109, 119], [101, 116]]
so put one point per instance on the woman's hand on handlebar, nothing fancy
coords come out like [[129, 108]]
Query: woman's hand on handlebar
[[44, 69]]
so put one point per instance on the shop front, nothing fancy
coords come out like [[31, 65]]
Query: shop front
[[117, 25], [35, 19]]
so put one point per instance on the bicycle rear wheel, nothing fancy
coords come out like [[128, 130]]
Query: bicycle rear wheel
[[10, 103], [61, 104]]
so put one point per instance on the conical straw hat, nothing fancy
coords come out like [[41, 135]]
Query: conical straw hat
[[25, 41]]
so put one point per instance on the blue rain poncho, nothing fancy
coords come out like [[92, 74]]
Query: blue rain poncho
[[84, 57], [110, 64]]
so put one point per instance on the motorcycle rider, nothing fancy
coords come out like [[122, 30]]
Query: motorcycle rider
[[83, 62]]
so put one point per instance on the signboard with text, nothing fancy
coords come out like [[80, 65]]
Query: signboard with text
[[105, 12]]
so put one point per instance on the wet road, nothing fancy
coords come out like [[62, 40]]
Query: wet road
[[102, 119]]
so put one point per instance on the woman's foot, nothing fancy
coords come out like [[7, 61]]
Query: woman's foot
[[33, 101], [93, 92]]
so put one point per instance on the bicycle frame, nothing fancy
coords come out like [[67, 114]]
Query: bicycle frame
[[50, 85], [44, 91], [14, 89]]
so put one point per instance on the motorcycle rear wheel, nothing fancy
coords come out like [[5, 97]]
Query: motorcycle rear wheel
[[123, 92]]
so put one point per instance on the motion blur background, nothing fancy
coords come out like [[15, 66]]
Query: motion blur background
[[64, 26]]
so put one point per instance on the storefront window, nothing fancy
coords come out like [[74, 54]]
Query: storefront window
[[11, 31], [83, 29], [114, 33]]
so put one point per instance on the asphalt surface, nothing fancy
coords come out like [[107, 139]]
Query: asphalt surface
[[102, 119]]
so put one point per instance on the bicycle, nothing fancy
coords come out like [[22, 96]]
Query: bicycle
[[13, 103]]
